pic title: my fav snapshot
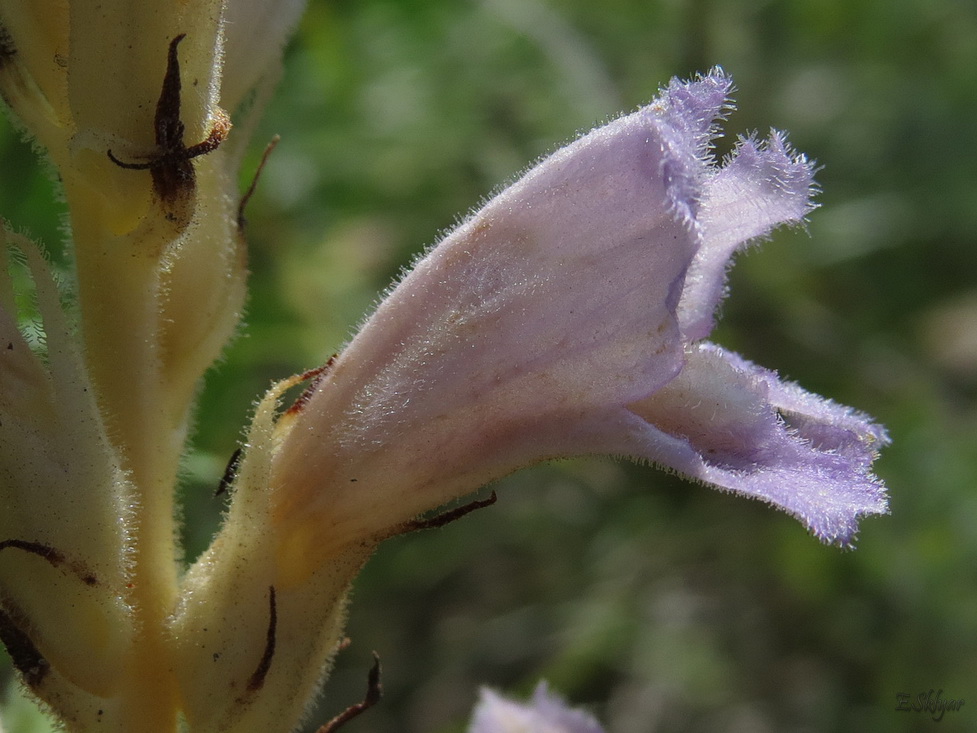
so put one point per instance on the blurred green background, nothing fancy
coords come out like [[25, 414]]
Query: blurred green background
[[660, 605]]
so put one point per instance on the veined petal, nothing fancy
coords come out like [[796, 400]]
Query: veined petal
[[691, 111], [736, 426], [761, 186], [563, 319], [554, 300]]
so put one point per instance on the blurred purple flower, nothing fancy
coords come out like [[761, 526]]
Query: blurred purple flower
[[567, 317], [545, 713]]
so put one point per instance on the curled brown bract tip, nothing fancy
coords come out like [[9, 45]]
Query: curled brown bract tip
[[53, 556], [246, 197], [374, 691], [257, 679], [316, 375], [440, 520]]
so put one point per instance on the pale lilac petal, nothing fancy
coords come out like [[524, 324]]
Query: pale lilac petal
[[564, 319], [762, 186], [555, 299], [736, 426], [823, 423], [545, 713], [691, 111]]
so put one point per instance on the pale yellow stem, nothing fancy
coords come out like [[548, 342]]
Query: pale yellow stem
[[119, 297]]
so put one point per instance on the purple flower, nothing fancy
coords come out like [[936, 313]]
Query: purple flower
[[545, 713], [567, 317]]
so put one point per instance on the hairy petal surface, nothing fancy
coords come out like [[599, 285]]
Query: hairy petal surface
[[736, 426], [555, 300], [566, 317], [761, 186]]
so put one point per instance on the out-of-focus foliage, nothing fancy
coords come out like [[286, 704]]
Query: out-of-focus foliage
[[664, 605]]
